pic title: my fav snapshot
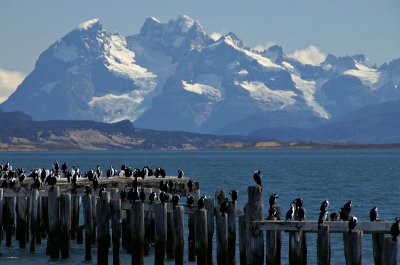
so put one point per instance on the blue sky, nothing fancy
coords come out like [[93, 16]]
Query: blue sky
[[340, 27]]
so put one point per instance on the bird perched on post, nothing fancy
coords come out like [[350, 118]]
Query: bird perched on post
[[272, 199], [190, 200], [290, 212], [175, 199], [373, 214], [234, 195], [395, 229], [200, 203], [323, 214], [257, 178], [180, 173], [352, 223], [190, 185], [223, 207]]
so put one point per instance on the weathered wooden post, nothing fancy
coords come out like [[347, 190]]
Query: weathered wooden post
[[94, 216], [160, 218], [44, 222], [231, 232], [222, 238], [323, 246], [124, 230], [149, 231], [21, 220], [75, 214], [170, 246], [390, 250], [201, 236], [377, 247], [1, 215], [254, 239], [242, 240], [53, 242], [39, 222], [274, 242], [137, 233], [34, 218], [297, 246], [88, 221], [65, 225], [115, 206], [9, 219], [209, 206], [353, 247], [103, 227], [178, 232], [191, 239]]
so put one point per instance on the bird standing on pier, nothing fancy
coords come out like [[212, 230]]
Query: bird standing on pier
[[88, 190], [190, 185], [142, 194], [170, 185], [323, 214], [290, 212], [345, 211], [271, 213], [102, 190], [373, 214], [180, 173], [257, 178], [190, 200], [272, 199], [200, 203], [123, 194], [301, 214], [395, 229], [234, 195], [163, 197], [152, 197], [352, 223], [223, 208], [175, 200]]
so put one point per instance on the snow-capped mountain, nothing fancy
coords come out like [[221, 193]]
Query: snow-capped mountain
[[173, 76]]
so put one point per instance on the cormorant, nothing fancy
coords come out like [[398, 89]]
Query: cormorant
[[257, 178]]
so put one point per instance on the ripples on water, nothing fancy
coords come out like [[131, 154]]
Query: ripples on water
[[368, 177]]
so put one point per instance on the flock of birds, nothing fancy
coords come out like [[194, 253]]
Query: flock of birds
[[9, 178], [297, 212]]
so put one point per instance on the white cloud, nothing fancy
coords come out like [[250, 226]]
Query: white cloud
[[264, 46], [9, 80], [311, 55], [216, 35]]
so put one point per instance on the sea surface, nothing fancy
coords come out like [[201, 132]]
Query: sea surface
[[368, 177]]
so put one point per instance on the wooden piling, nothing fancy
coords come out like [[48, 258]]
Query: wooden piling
[[231, 233], [242, 241], [377, 247], [88, 222], [21, 221], [39, 221], [297, 248], [94, 217], [178, 233], [74, 214], [160, 218], [115, 207], [353, 247], [254, 239], [1, 214], [34, 218], [103, 228], [210, 207], [274, 242], [323, 246], [201, 236], [9, 219], [149, 231], [137, 233], [191, 239], [390, 250], [221, 221], [44, 223], [53, 242], [170, 246], [65, 225]]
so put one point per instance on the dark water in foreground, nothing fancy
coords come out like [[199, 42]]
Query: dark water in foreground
[[368, 177]]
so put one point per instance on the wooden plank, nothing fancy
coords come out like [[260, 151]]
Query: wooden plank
[[312, 226]]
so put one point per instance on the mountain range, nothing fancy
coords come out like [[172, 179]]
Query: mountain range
[[174, 76]]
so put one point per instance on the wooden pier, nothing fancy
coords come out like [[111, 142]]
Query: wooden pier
[[112, 224]]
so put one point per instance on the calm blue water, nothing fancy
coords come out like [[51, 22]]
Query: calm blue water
[[368, 177]]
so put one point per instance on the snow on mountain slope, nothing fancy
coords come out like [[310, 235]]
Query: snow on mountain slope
[[369, 77], [202, 89]]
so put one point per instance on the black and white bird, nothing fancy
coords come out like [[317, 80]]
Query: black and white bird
[[190, 185], [323, 215], [352, 223], [234, 195], [163, 197], [175, 199], [180, 173], [152, 197], [395, 229], [272, 199], [200, 203], [290, 212], [88, 190], [324, 206], [223, 207], [373, 214], [142, 195], [190, 200], [257, 178]]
